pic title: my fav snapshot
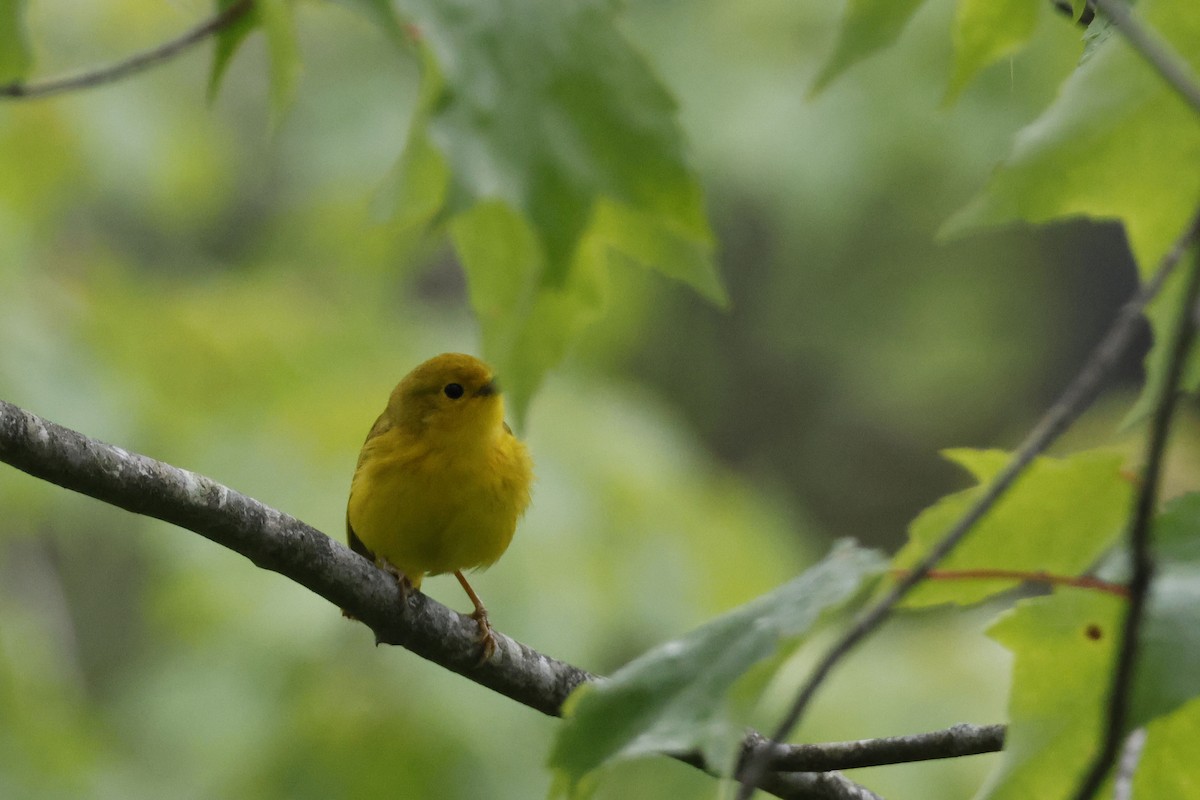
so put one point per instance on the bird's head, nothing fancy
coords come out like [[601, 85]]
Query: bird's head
[[454, 396]]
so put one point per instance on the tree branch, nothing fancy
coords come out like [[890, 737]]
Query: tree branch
[[953, 742], [1077, 397], [278, 542], [807, 770], [1180, 343], [816, 786], [133, 64], [281, 543], [1158, 53]]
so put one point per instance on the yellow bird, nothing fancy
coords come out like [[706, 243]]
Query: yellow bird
[[441, 479]]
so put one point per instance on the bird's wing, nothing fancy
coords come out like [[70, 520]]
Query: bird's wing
[[355, 543]]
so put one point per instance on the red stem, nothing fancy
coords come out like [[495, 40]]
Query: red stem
[[1075, 581]]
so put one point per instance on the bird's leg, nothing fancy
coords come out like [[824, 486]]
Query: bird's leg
[[486, 636]]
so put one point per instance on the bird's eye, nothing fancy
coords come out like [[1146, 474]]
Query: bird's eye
[[453, 390]]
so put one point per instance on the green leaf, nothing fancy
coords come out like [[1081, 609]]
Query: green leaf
[[15, 55], [284, 70], [868, 27], [1168, 766], [383, 14], [226, 43], [671, 699], [1166, 675], [1062, 647], [542, 108], [986, 31], [1065, 650], [1059, 517], [1118, 143], [275, 19], [526, 326], [415, 192]]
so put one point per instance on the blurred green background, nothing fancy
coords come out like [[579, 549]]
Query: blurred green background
[[180, 279]]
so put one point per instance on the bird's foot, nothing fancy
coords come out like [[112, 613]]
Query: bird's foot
[[402, 581], [486, 637]]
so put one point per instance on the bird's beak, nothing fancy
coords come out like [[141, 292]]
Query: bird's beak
[[488, 389]]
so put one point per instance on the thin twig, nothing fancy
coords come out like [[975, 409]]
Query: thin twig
[[1145, 502], [131, 65], [1160, 55], [953, 742], [275, 541], [1073, 402], [1072, 581], [956, 741]]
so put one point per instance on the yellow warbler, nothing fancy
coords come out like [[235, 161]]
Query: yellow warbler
[[441, 479]]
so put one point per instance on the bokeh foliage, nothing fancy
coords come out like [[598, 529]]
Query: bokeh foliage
[[213, 285]]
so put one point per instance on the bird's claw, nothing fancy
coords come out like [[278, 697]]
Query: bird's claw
[[486, 637], [402, 580]]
